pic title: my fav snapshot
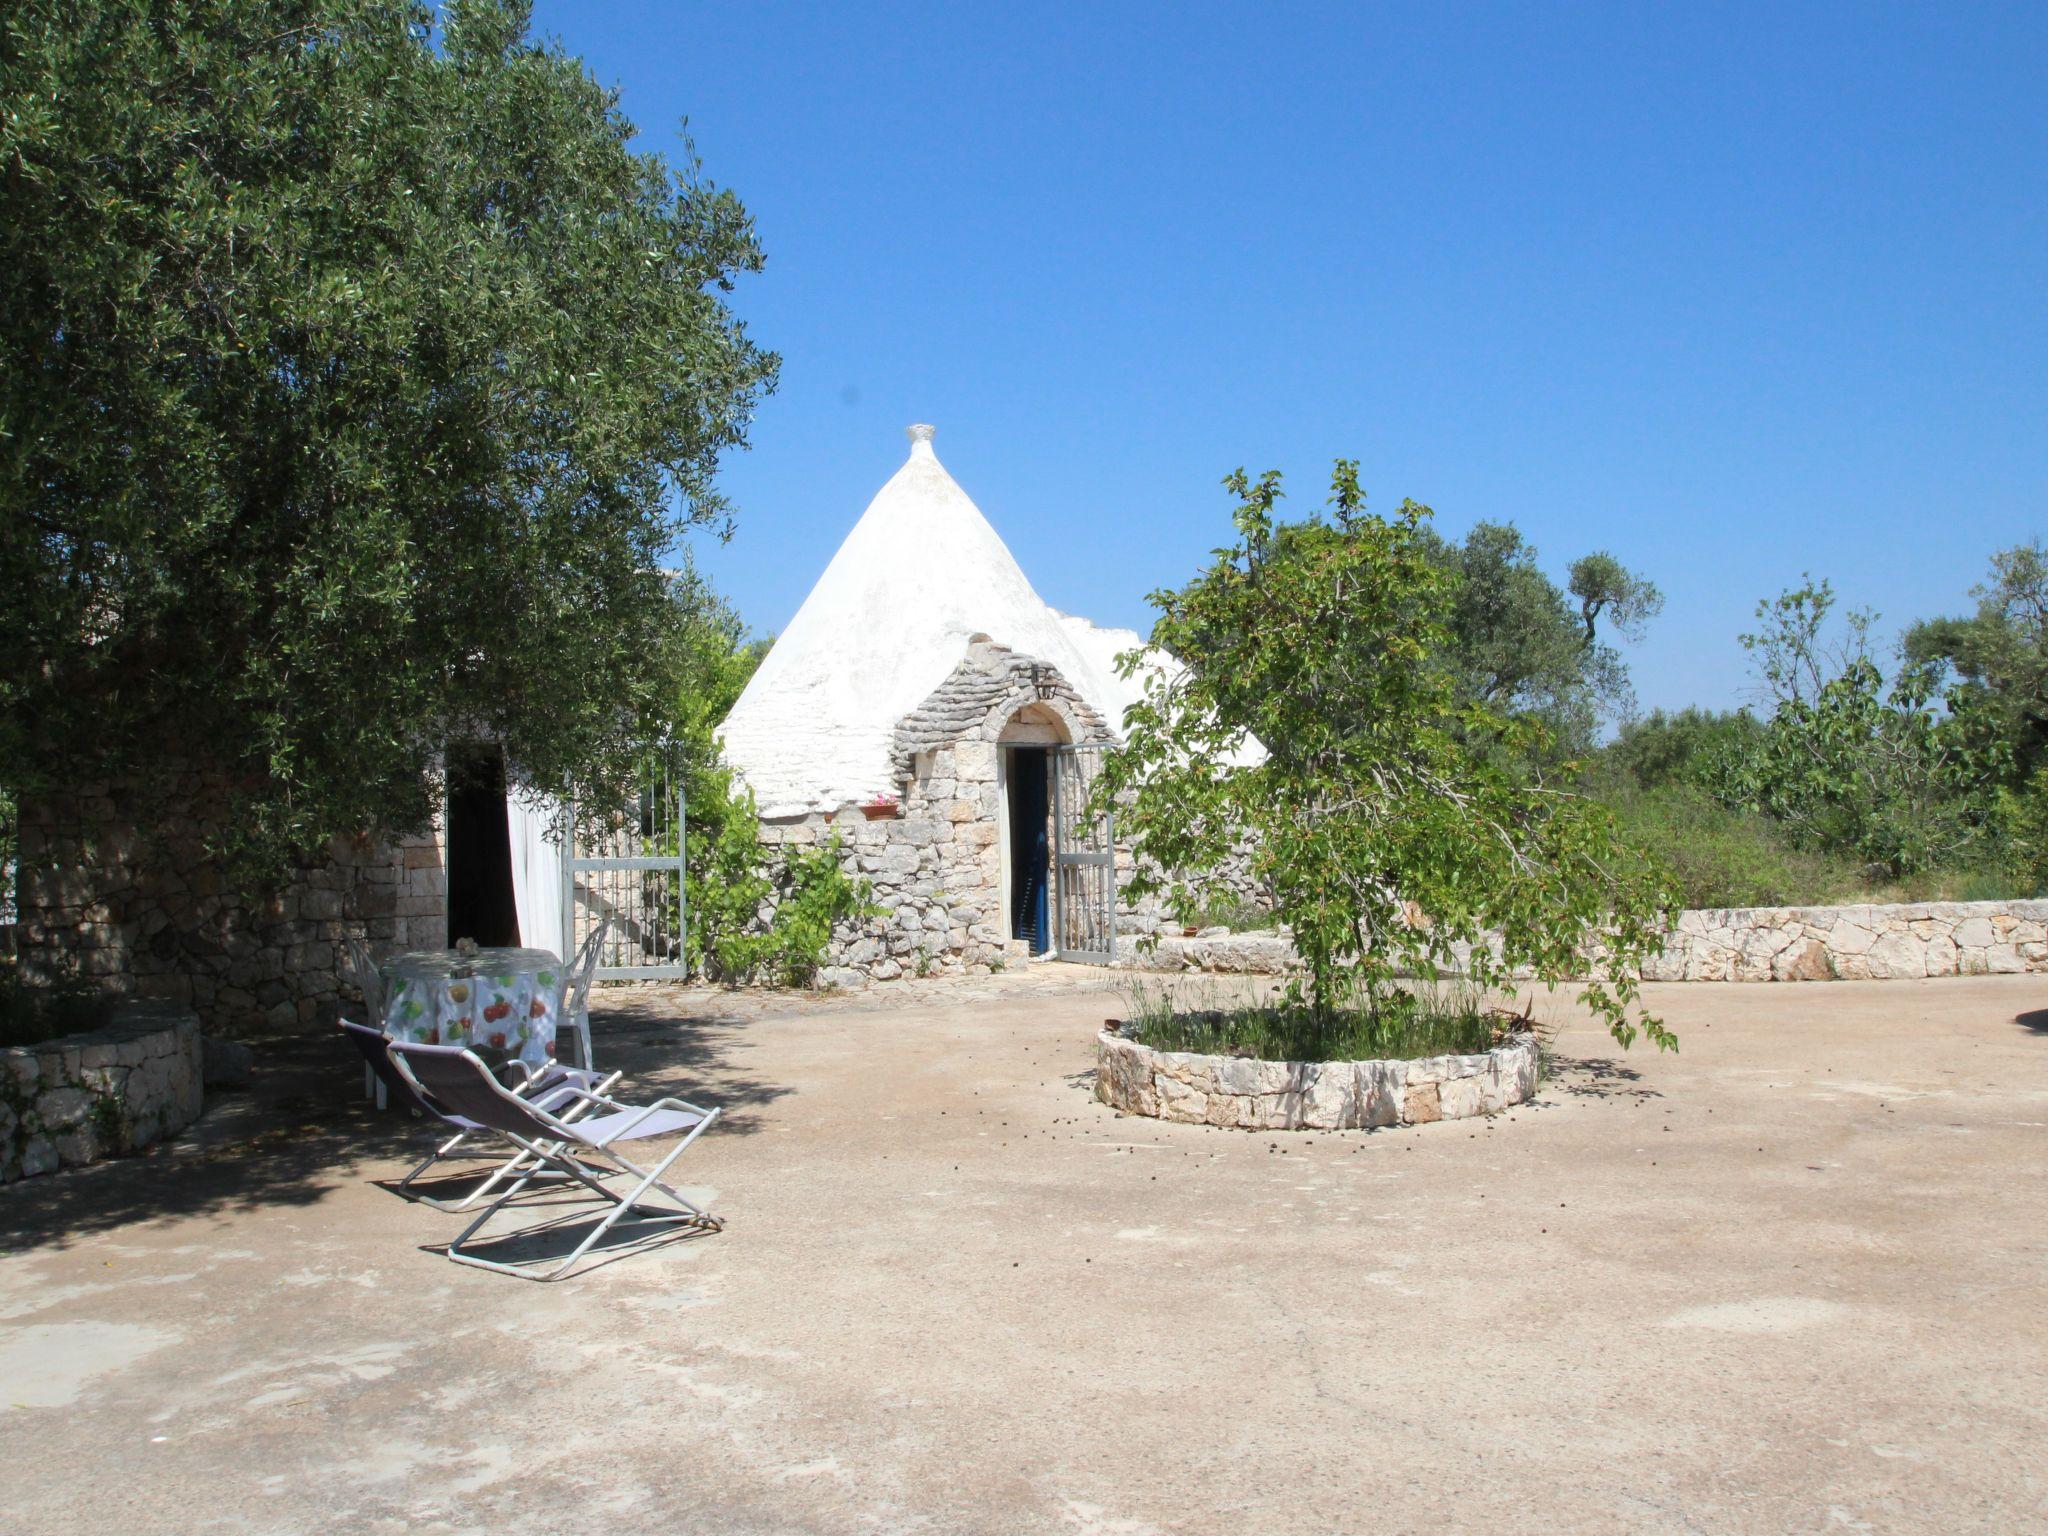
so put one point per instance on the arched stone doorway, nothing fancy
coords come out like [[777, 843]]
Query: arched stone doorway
[[1024, 789]]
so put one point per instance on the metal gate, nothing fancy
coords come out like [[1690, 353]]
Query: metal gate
[[1084, 860], [629, 868]]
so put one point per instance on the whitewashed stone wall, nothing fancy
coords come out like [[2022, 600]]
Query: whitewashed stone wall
[[117, 1089], [1311, 1095]]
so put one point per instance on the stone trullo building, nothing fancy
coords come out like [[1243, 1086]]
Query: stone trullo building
[[929, 707]]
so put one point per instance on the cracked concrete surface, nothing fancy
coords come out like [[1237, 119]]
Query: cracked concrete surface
[[1788, 1280]]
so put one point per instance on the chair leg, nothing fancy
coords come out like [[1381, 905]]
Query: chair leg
[[649, 1179], [583, 1039]]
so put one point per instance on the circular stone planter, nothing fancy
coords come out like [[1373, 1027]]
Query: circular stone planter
[[1310, 1095]]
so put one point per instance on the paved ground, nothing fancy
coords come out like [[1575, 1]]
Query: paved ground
[[1788, 1281]]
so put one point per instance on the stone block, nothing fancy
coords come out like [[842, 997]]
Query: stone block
[[59, 1108], [1847, 938], [1804, 961], [1423, 1103], [79, 1145], [38, 1155], [1896, 953]]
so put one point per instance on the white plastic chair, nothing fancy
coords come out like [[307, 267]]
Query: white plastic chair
[[576, 983], [361, 969]]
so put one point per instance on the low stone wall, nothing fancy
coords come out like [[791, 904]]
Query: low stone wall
[[1242, 1092], [117, 1089], [1866, 943], [1235, 954], [1861, 943]]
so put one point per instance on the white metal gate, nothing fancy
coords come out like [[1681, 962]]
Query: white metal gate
[[629, 868], [1084, 860]]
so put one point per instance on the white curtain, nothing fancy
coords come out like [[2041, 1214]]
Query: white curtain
[[536, 822]]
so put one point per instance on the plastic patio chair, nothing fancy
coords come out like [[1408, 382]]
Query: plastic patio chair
[[576, 983], [360, 966], [576, 1149], [554, 1086]]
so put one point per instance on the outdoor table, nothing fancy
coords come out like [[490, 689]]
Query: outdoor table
[[498, 1000]]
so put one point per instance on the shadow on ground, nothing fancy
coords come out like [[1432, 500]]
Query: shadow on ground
[[303, 1128], [1597, 1077], [687, 1055], [2035, 1021]]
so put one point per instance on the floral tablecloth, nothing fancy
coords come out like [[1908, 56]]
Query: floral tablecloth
[[507, 1000]]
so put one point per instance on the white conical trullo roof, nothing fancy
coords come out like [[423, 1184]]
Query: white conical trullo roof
[[921, 572]]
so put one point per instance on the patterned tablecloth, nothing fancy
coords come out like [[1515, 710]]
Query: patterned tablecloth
[[501, 1000]]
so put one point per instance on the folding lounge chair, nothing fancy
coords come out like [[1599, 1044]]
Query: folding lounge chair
[[578, 1149], [553, 1086]]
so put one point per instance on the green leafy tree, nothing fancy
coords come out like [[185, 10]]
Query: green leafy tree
[[359, 378], [1388, 833], [1685, 747], [1521, 645], [755, 911], [1850, 761], [1995, 662]]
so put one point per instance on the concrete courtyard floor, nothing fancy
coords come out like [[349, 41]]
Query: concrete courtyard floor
[[1790, 1280]]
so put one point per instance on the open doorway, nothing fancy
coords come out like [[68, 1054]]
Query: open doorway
[[480, 901], [1030, 856]]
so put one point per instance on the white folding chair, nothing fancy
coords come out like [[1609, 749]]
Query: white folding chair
[[585, 1150], [548, 1087]]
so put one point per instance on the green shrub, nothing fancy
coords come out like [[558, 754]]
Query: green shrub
[[759, 913], [1226, 910], [1717, 857]]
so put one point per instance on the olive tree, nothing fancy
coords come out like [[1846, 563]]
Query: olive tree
[[1313, 721], [357, 379]]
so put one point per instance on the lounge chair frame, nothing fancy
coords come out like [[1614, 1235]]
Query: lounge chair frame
[[558, 1144], [545, 1086]]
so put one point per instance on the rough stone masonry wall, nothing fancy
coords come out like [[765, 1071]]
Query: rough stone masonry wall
[[99, 904], [935, 860], [1258, 1095], [116, 1089], [1860, 943]]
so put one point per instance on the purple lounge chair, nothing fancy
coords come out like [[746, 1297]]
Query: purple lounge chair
[[583, 1149], [552, 1086]]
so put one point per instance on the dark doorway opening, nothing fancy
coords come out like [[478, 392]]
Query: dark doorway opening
[[1029, 856], [480, 901]]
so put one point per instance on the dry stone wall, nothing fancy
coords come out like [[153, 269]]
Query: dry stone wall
[[117, 1089], [1857, 943], [1249, 1094], [100, 904], [935, 858], [1862, 943]]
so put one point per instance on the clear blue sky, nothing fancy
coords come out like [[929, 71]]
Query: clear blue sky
[[1733, 292]]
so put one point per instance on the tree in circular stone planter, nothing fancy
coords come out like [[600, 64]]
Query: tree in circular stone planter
[[1394, 843]]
